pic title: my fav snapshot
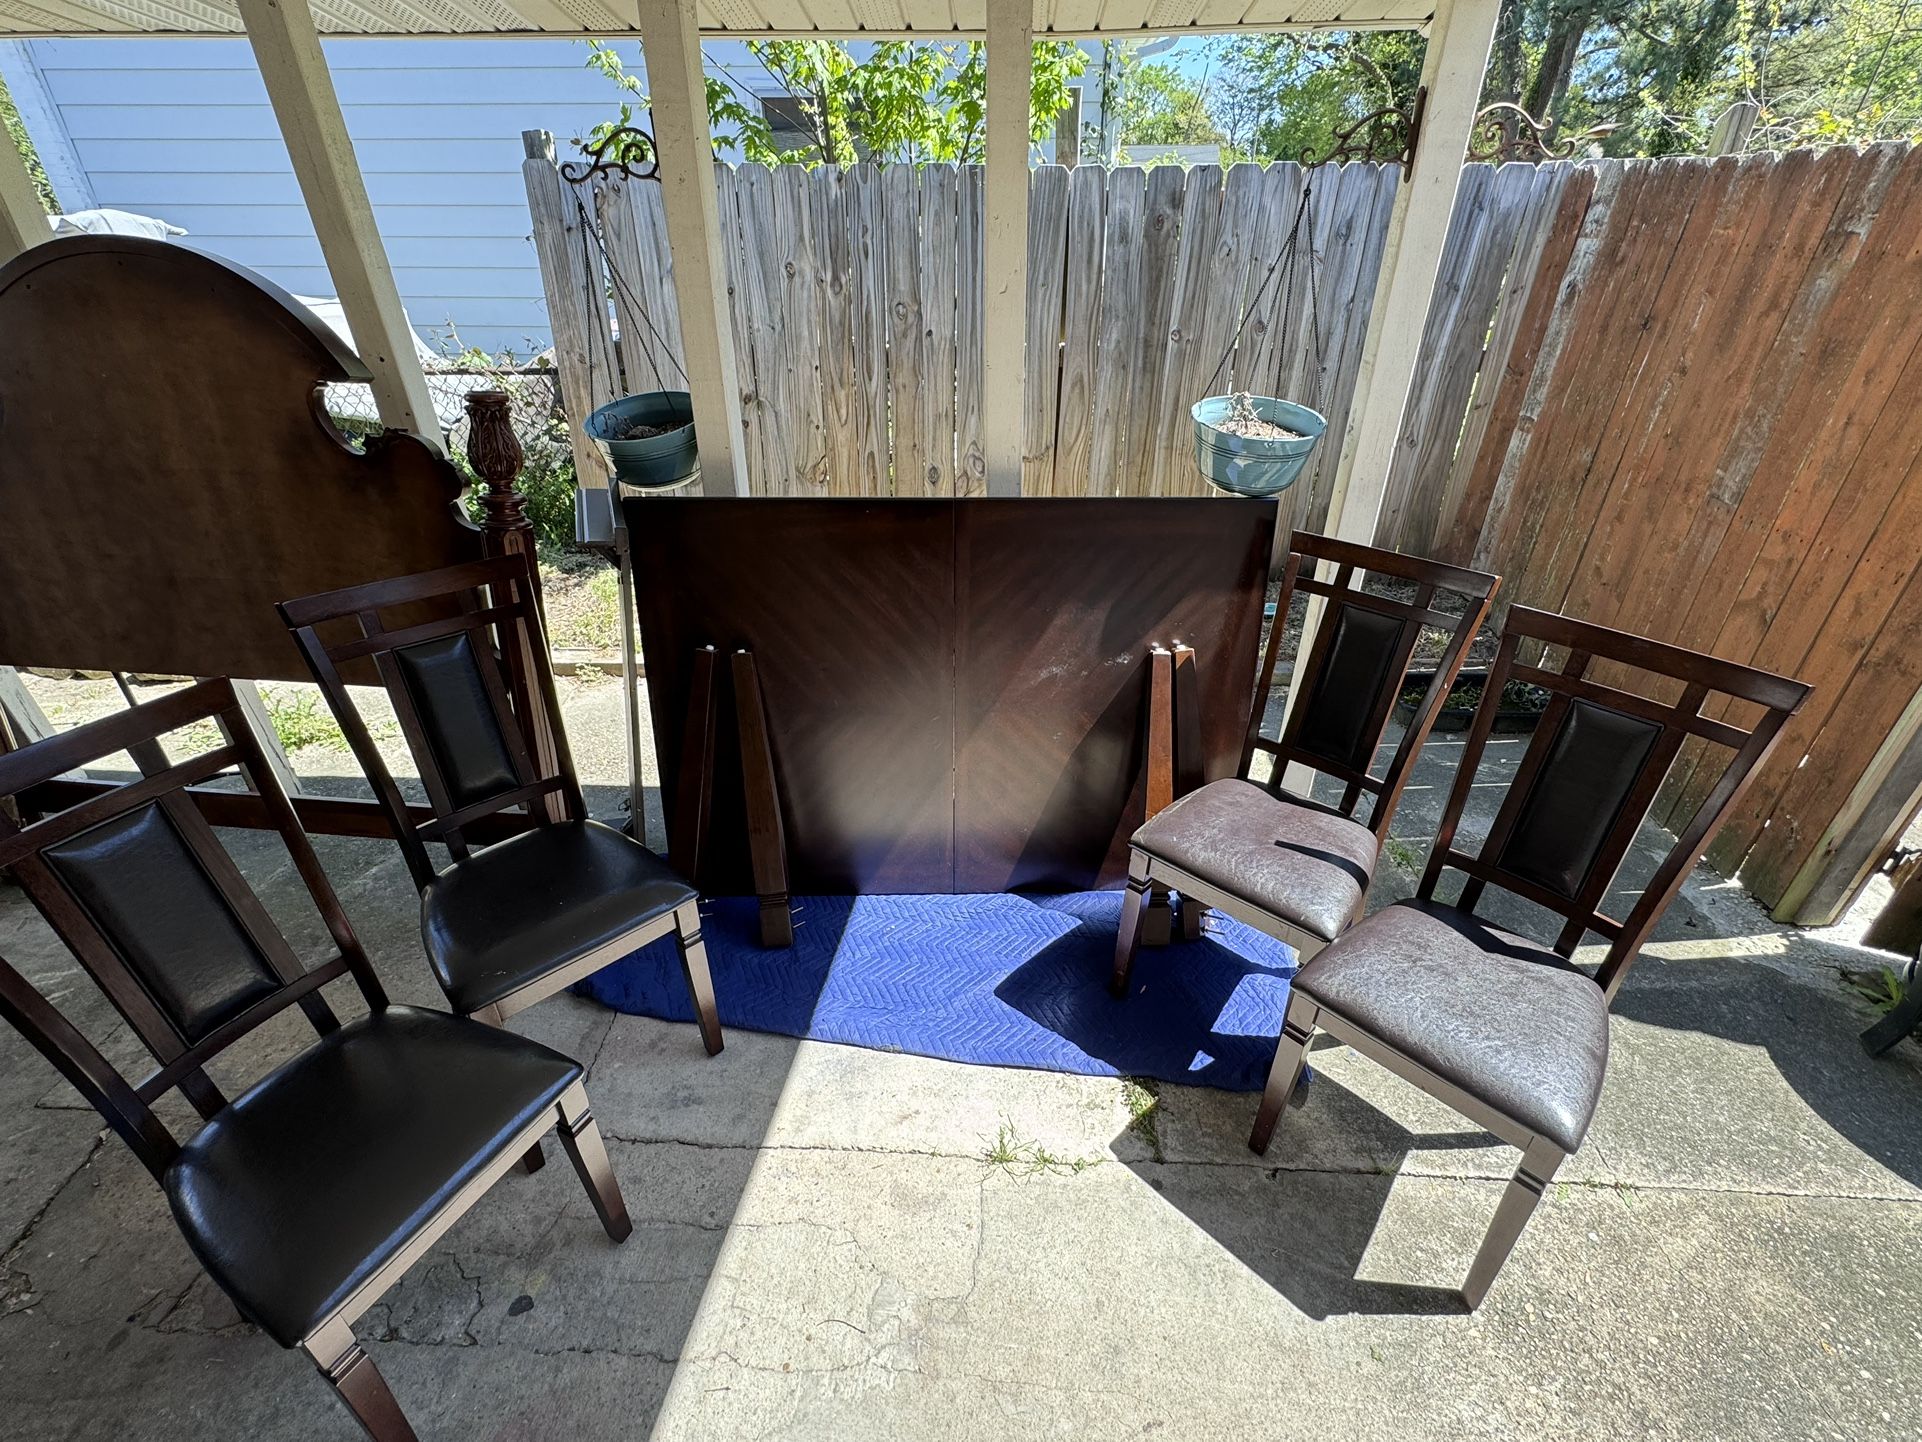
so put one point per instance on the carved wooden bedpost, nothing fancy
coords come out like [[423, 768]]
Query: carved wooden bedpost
[[495, 453]]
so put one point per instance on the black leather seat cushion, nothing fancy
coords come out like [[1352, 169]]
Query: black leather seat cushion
[[321, 1171], [1506, 1020], [1297, 861], [516, 911]]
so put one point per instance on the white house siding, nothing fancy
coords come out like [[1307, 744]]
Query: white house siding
[[181, 129]]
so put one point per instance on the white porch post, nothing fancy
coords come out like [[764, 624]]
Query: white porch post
[[677, 91], [1457, 56], [1010, 56], [287, 50], [23, 220], [1458, 40]]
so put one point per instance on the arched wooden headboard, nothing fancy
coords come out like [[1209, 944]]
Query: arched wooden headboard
[[168, 473]]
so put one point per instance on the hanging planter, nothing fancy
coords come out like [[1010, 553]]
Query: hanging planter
[[1250, 445], [1254, 445], [649, 439]]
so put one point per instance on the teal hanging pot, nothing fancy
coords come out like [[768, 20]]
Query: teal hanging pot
[[1254, 465], [649, 438]]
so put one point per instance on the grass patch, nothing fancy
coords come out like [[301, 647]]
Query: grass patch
[[1010, 1153], [1143, 1095], [581, 599], [300, 720], [1881, 988], [1407, 857]]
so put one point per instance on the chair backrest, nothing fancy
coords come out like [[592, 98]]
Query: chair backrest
[[1590, 772], [1345, 689], [464, 688], [137, 885]]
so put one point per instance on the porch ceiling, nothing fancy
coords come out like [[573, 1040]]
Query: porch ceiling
[[718, 17]]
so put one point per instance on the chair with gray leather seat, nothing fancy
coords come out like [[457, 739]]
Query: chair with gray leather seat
[[1289, 865], [309, 1194], [465, 663], [1508, 1031]]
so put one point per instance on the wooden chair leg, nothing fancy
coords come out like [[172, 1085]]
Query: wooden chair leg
[[358, 1383], [582, 1141], [1518, 1204], [700, 985], [1134, 904], [1291, 1051], [535, 1158]]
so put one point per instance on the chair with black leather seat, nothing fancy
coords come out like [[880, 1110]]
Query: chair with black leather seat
[[309, 1194], [1506, 1030], [511, 923], [1288, 865]]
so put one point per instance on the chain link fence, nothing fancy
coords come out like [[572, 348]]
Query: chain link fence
[[534, 404], [534, 391]]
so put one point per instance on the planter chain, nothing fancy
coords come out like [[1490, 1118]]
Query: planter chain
[[1286, 264]]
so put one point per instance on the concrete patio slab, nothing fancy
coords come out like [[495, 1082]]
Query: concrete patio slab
[[843, 1244]]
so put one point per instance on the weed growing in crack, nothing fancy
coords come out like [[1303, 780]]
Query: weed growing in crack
[[1143, 1095], [1024, 1158]]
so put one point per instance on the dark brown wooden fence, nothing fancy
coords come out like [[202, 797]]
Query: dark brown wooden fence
[[1698, 415]]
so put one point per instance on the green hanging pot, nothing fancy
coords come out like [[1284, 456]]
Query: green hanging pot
[[657, 462], [1252, 465]]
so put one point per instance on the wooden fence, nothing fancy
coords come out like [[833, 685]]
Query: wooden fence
[[858, 315], [1698, 415], [1676, 396]]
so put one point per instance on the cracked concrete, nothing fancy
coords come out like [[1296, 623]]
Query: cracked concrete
[[823, 1247]]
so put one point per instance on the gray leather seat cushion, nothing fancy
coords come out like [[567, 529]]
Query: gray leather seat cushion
[[1503, 1018], [513, 913], [1297, 861]]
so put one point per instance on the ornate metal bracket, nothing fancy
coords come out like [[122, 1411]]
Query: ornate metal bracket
[[1505, 131], [598, 159], [1384, 135]]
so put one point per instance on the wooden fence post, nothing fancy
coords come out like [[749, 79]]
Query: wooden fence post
[[1732, 130], [584, 356]]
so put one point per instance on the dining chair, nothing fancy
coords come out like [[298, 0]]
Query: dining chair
[[1506, 1030], [310, 1193], [1284, 864], [509, 924]]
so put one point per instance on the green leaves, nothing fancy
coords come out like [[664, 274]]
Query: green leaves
[[901, 101]]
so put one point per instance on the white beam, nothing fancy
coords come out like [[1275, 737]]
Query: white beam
[[677, 92], [72, 188], [23, 220], [1010, 58], [287, 50], [1457, 54]]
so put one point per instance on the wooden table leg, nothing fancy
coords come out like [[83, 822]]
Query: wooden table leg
[[1187, 761], [766, 839], [1157, 922], [694, 785]]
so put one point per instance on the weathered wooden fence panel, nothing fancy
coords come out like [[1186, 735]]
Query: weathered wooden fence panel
[[858, 300], [1696, 420]]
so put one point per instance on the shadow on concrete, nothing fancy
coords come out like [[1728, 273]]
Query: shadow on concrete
[[1811, 1035], [1306, 1232]]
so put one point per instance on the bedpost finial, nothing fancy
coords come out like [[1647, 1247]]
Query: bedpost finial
[[494, 451]]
